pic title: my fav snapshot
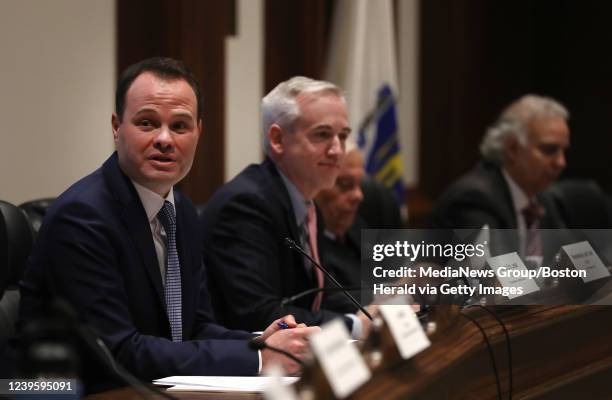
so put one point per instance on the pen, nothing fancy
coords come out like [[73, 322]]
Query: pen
[[282, 325]]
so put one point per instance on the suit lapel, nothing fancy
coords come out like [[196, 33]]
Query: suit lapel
[[504, 196], [135, 221], [506, 239], [281, 193], [279, 190]]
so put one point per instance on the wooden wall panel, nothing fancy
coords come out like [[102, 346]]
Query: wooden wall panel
[[193, 31], [296, 36], [479, 55]]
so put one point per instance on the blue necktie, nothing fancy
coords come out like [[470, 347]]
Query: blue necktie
[[172, 291]]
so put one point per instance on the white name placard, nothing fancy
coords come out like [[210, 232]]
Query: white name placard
[[277, 389], [512, 262], [405, 328], [342, 364], [584, 257]]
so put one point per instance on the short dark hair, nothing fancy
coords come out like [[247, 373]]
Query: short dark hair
[[162, 67]]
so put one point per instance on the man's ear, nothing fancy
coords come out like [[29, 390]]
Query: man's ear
[[275, 138], [200, 127], [511, 147], [115, 125]]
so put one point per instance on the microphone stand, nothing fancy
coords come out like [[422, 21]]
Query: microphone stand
[[294, 246], [288, 300], [90, 339]]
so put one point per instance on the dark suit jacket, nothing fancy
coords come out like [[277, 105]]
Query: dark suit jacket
[[251, 269], [343, 257], [95, 249], [481, 197]]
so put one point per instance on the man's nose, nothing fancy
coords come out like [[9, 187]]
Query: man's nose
[[357, 194], [336, 147], [163, 139], [560, 161]]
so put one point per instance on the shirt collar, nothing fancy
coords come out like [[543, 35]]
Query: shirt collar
[[519, 198], [330, 235], [297, 200], [151, 201]]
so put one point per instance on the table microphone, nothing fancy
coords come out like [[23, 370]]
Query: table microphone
[[257, 343], [294, 246]]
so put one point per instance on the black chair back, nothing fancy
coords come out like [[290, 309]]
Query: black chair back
[[4, 270], [18, 238], [36, 211]]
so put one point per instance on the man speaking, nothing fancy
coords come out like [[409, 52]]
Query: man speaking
[[122, 245]]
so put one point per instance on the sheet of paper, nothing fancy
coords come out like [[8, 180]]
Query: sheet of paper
[[341, 362], [584, 257], [220, 383], [509, 262], [405, 328], [197, 388]]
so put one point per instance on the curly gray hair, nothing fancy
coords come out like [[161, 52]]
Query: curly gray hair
[[514, 120]]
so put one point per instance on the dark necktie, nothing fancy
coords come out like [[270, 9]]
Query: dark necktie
[[172, 290], [533, 214]]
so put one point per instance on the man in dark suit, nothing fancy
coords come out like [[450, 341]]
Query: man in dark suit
[[523, 154], [246, 222], [341, 239], [122, 245]]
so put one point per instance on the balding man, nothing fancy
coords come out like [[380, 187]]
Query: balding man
[[341, 239]]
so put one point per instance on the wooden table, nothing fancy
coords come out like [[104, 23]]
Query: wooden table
[[558, 352]]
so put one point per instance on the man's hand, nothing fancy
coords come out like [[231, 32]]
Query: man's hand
[[293, 341], [287, 322]]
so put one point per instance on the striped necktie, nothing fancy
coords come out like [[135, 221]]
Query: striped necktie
[[172, 290]]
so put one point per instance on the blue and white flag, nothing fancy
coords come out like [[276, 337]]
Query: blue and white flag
[[362, 60]]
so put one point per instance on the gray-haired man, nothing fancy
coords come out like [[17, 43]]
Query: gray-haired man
[[523, 154], [246, 222]]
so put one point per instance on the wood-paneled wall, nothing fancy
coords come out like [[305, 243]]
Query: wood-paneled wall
[[193, 31]]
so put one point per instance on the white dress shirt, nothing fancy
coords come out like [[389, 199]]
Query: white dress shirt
[[152, 203]]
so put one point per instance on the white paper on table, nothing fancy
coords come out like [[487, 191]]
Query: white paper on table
[[342, 363], [405, 328], [220, 383], [277, 390], [198, 388], [585, 258]]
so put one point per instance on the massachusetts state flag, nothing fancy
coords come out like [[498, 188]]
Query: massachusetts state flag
[[362, 60]]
